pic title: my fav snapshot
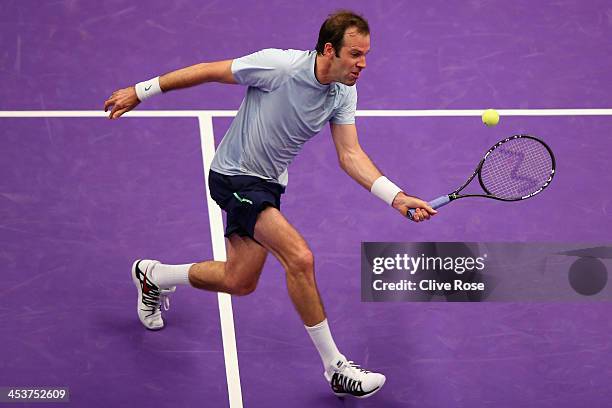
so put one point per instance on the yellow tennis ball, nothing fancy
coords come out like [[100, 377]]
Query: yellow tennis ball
[[490, 117]]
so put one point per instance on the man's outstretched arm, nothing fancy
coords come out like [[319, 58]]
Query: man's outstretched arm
[[356, 163], [126, 99]]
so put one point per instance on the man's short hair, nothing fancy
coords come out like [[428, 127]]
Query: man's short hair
[[333, 29]]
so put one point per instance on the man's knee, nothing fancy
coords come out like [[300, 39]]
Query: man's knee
[[301, 262], [243, 281], [242, 288]]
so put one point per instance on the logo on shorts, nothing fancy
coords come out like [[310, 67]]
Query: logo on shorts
[[242, 200]]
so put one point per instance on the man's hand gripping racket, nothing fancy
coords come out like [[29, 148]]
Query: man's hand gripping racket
[[516, 168], [421, 209]]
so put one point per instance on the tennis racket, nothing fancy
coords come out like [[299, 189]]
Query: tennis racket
[[514, 169]]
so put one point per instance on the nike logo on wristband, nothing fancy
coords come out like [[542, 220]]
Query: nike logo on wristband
[[148, 87]]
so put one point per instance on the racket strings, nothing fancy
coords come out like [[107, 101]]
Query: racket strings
[[517, 168]]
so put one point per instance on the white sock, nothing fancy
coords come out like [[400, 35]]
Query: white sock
[[323, 341], [166, 276]]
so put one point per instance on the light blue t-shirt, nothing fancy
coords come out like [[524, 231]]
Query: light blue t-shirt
[[285, 105]]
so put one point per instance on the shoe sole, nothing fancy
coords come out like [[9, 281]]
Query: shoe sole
[[139, 299]]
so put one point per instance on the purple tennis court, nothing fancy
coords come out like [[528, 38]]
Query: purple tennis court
[[82, 197]]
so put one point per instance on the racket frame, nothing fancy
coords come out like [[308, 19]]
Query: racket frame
[[455, 194]]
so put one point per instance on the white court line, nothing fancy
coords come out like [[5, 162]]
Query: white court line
[[371, 113], [218, 243]]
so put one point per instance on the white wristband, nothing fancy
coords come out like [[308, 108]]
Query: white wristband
[[147, 89], [384, 189]]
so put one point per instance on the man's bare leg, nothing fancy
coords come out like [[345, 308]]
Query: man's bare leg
[[238, 275], [275, 233]]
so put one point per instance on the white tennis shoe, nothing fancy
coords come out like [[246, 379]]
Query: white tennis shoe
[[347, 378], [151, 298]]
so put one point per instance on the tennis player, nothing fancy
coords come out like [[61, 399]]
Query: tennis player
[[291, 96]]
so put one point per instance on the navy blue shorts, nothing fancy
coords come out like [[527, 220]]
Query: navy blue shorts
[[243, 198]]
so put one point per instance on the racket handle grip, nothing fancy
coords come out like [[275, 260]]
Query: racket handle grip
[[435, 204]]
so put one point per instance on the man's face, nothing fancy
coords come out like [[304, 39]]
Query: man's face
[[351, 59]]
